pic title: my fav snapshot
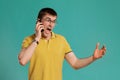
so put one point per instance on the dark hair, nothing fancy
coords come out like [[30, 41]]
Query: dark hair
[[45, 11]]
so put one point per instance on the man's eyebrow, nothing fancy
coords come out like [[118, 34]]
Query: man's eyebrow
[[50, 18]]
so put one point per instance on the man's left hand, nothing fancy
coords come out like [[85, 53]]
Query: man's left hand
[[98, 53]]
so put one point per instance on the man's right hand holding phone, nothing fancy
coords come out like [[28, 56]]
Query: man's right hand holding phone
[[38, 30]]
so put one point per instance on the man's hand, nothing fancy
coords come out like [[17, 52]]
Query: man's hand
[[39, 27], [98, 53]]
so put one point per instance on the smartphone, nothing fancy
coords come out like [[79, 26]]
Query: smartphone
[[39, 20]]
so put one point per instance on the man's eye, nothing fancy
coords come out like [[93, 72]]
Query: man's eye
[[48, 20]]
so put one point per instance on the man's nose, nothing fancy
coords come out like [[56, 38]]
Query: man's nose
[[50, 24]]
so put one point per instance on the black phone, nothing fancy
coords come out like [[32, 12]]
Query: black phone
[[39, 20]]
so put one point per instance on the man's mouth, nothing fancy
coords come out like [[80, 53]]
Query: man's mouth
[[49, 29]]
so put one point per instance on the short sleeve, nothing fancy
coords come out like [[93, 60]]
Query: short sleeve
[[67, 47], [27, 41]]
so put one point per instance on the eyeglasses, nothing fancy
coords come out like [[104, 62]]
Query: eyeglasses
[[49, 20]]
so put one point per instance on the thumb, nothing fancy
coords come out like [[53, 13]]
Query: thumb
[[97, 45]]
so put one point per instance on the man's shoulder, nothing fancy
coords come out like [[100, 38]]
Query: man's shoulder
[[59, 36], [30, 37]]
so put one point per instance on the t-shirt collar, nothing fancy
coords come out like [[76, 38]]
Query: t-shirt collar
[[52, 36]]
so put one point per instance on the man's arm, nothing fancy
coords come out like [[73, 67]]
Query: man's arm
[[26, 53], [80, 63]]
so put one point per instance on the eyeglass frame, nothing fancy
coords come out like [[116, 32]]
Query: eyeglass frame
[[47, 20]]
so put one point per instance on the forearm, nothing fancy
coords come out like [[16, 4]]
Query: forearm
[[80, 63], [26, 54]]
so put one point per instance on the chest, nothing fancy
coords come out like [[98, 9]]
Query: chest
[[50, 49]]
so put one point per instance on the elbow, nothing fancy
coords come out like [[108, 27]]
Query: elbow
[[75, 67], [21, 62]]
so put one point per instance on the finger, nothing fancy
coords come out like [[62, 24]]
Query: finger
[[104, 48], [103, 52], [38, 26], [97, 45], [41, 28], [38, 22]]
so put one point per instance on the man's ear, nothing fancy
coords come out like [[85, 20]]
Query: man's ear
[[38, 20]]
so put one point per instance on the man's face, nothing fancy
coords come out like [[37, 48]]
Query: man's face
[[48, 22]]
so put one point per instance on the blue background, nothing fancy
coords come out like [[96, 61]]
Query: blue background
[[82, 22]]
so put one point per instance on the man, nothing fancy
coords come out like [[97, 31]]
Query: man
[[46, 50]]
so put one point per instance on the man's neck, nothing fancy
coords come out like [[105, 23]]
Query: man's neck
[[47, 36]]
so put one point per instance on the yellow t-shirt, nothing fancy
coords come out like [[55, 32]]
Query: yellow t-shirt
[[47, 60]]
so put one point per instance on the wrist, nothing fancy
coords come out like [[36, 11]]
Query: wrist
[[93, 58], [36, 41], [37, 37]]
